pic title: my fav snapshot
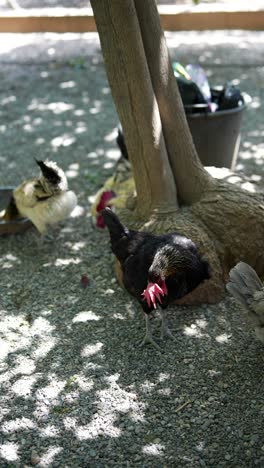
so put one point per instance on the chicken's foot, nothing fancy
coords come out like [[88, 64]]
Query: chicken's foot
[[148, 338]]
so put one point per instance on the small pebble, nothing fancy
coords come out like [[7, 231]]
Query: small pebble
[[157, 441], [35, 458]]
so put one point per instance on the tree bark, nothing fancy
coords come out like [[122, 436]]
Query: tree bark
[[190, 176], [135, 100]]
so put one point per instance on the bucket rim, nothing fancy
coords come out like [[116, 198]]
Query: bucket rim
[[218, 114]]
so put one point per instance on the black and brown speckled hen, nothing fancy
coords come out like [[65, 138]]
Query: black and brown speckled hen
[[156, 269]]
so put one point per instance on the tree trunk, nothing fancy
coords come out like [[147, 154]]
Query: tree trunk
[[132, 90], [190, 176]]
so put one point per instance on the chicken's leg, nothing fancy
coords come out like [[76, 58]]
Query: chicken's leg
[[148, 336], [165, 331]]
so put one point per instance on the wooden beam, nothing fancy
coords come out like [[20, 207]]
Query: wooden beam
[[172, 18], [28, 22], [200, 21]]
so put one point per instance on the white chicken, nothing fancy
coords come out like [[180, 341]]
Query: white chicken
[[247, 289], [45, 200]]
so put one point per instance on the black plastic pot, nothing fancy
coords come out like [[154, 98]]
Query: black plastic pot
[[216, 135]]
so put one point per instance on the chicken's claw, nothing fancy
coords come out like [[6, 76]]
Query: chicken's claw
[[148, 336], [149, 340]]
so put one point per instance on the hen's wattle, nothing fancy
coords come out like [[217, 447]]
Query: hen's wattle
[[153, 291]]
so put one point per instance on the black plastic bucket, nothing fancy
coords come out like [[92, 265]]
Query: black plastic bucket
[[216, 135]]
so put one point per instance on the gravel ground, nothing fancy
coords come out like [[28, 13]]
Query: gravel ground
[[76, 391]]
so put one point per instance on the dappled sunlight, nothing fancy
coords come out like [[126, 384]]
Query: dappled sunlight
[[49, 456], [255, 103], [16, 335], [192, 330], [44, 347], [101, 425], [23, 387], [147, 386], [248, 186], [24, 365], [214, 373], [67, 261], [68, 84], [130, 309], [11, 341], [92, 349], [54, 107], [81, 127], [63, 140], [8, 100], [85, 316], [80, 112], [77, 212], [84, 383], [39, 141], [110, 402], [73, 170], [75, 246], [9, 451], [18, 425], [41, 326], [196, 329], [254, 133], [108, 292], [250, 183], [223, 338], [155, 449], [111, 136], [9, 261], [113, 154], [51, 391], [117, 316], [91, 199], [92, 155], [49, 431], [51, 51]]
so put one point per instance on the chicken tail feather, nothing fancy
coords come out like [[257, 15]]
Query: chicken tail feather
[[247, 289], [11, 212], [121, 143], [49, 173], [244, 282]]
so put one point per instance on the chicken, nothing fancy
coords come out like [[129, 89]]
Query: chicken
[[113, 189], [245, 286], [45, 200], [156, 269]]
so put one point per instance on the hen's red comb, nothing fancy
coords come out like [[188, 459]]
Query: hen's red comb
[[103, 202], [153, 292], [104, 199]]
